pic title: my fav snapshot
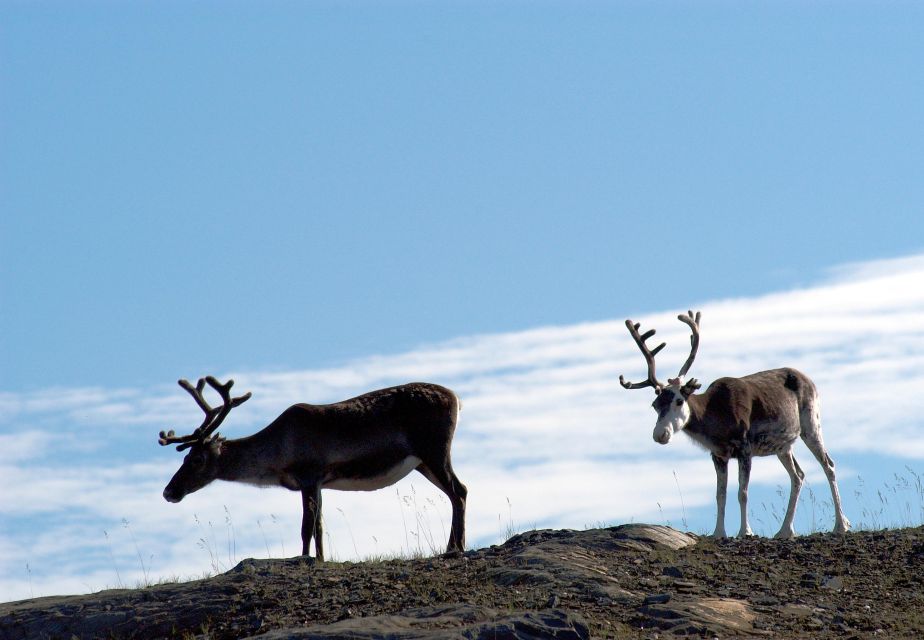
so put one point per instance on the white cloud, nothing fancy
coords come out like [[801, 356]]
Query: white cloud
[[547, 435], [876, 269], [23, 445]]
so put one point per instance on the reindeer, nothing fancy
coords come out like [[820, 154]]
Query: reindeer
[[758, 415], [362, 444]]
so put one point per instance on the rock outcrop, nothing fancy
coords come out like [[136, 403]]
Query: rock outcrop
[[631, 581]]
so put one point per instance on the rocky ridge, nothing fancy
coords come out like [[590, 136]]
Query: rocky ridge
[[630, 581]]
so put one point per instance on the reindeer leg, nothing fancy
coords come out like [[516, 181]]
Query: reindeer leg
[[744, 476], [796, 476], [319, 530], [311, 521], [721, 487], [446, 480], [811, 435]]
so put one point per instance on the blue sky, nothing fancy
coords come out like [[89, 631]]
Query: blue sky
[[312, 195]]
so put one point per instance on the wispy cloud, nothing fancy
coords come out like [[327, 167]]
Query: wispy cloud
[[546, 437]]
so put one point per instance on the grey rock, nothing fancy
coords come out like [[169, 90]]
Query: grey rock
[[835, 583], [451, 622], [672, 572], [659, 598]]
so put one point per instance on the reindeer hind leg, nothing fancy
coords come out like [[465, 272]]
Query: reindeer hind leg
[[446, 480], [810, 418], [841, 523], [744, 477], [311, 522], [796, 476]]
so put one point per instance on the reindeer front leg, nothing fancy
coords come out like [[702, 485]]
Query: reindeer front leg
[[311, 522], [744, 475], [721, 487]]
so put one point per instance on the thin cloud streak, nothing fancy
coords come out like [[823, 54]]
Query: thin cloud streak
[[546, 436]]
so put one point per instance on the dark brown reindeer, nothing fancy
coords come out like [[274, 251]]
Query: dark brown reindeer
[[758, 415], [361, 444]]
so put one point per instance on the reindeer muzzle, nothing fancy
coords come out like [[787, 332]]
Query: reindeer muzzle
[[662, 436]]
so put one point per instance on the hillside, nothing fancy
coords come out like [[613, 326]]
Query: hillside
[[631, 581]]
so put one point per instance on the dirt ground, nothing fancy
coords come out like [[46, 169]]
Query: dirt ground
[[631, 581]]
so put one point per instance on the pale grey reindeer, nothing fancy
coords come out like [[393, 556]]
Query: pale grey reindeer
[[361, 444], [760, 414]]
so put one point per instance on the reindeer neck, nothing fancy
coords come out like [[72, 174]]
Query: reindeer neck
[[254, 460], [713, 429], [232, 461], [697, 404]]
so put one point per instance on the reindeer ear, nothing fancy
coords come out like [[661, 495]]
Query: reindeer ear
[[690, 387]]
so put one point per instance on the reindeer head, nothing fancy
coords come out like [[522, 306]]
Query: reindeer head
[[673, 408], [200, 466], [671, 401]]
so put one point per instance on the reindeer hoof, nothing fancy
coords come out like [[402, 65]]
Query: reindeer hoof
[[842, 527]]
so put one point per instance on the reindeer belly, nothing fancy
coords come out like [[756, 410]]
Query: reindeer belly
[[382, 478], [772, 437]]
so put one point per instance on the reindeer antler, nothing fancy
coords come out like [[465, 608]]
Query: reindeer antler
[[649, 354], [213, 415], [693, 322]]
